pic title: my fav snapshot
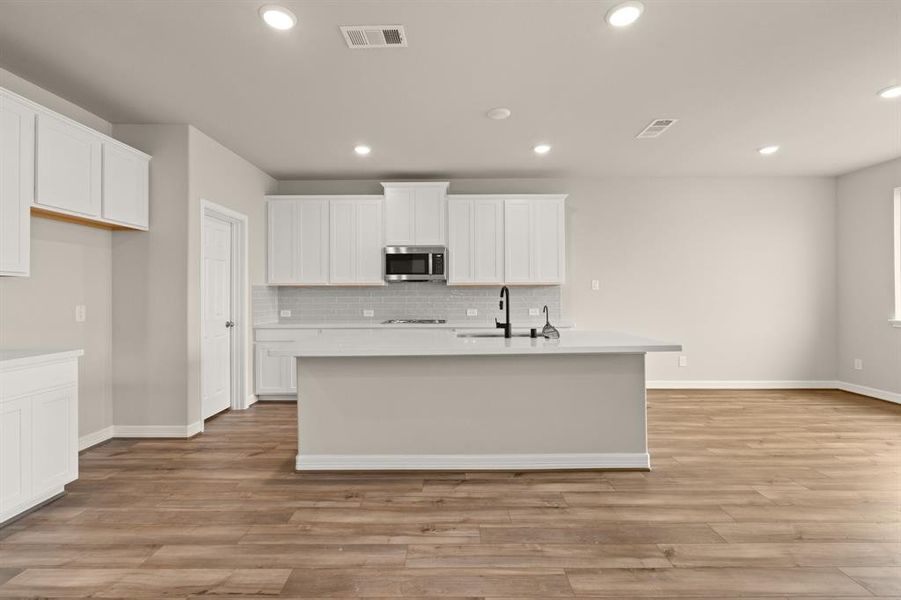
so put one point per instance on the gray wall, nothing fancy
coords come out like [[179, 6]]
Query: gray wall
[[149, 281], [70, 265], [741, 271], [865, 291]]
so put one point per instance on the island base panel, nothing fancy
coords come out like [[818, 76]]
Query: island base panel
[[472, 412]]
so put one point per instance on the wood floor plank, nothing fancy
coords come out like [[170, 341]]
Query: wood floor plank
[[783, 554], [278, 556], [715, 582], [394, 583], [618, 556], [882, 581], [603, 533]]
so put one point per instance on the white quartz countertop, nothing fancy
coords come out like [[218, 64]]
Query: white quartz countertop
[[375, 324], [447, 343], [21, 356]]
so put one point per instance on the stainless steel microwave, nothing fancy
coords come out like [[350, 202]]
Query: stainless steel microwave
[[415, 263]]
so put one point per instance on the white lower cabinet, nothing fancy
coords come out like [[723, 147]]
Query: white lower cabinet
[[274, 375], [38, 430], [16, 185], [277, 375]]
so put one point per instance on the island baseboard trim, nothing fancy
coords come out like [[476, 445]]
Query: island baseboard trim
[[475, 462]]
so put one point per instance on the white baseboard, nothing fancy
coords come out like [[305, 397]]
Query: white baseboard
[[250, 401], [469, 462], [730, 384], [158, 431], [868, 391], [97, 437]]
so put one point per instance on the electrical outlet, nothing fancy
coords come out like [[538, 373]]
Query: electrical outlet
[[683, 361], [595, 284], [534, 312], [284, 313], [81, 313], [472, 312], [368, 312], [858, 364]]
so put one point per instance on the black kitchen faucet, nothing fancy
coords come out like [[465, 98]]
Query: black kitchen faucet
[[507, 327]]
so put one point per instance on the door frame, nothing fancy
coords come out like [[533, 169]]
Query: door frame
[[238, 291]]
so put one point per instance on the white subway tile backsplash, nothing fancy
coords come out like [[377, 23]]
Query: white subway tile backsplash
[[396, 301]]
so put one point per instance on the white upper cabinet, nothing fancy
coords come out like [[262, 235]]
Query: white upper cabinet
[[299, 241], [356, 246], [68, 167], [535, 239], [59, 166], [415, 213], [325, 240], [16, 185], [125, 185], [369, 269], [475, 240], [498, 239]]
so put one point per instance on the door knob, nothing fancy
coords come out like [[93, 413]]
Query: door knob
[[229, 323]]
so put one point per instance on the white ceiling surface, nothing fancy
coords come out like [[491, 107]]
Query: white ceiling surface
[[737, 74]]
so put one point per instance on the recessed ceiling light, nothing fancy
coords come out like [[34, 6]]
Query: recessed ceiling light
[[499, 114], [278, 17], [362, 150], [542, 148], [767, 150], [890, 93], [623, 15]]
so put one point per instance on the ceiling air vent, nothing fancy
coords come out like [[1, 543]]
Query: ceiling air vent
[[374, 36], [656, 128]]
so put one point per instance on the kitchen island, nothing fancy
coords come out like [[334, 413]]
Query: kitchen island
[[377, 400]]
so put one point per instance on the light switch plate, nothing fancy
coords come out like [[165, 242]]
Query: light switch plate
[[858, 364], [81, 313], [595, 284], [284, 313], [368, 312], [683, 361], [534, 312], [472, 312]]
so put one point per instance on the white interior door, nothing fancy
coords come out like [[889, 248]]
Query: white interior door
[[217, 315]]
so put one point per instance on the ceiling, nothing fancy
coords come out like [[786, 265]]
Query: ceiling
[[737, 74]]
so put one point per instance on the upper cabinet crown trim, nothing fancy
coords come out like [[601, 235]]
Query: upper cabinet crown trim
[[70, 121]]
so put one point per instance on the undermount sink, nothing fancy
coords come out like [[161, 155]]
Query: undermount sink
[[490, 335]]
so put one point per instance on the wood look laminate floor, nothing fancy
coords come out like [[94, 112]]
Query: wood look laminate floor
[[753, 494]]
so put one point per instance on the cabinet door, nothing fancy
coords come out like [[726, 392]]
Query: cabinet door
[[274, 374], [15, 455], [549, 243], [428, 216], [369, 268], [68, 167], [518, 238], [282, 241], [125, 186], [55, 437], [343, 238], [488, 241], [460, 241], [399, 220], [16, 185], [312, 241]]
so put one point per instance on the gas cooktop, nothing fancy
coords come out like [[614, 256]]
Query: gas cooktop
[[414, 322]]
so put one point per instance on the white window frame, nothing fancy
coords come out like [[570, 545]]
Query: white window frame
[[896, 233]]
